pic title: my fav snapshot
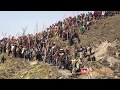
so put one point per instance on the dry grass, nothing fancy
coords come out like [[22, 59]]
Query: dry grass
[[101, 31]]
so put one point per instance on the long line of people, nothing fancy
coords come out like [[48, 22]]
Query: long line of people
[[68, 28], [45, 51], [39, 47]]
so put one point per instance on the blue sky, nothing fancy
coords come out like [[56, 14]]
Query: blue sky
[[11, 22]]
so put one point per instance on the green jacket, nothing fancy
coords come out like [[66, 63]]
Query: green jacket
[[82, 29]]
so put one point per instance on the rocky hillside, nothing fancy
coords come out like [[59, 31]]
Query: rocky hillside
[[104, 36]]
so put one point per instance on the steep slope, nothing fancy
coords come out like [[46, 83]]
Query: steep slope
[[102, 30], [102, 36], [20, 69]]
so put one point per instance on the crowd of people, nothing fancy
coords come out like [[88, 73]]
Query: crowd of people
[[38, 47]]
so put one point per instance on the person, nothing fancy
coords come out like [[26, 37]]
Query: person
[[95, 14], [50, 58], [103, 14], [89, 50], [38, 55], [82, 29], [81, 53], [14, 51], [87, 25], [78, 65], [45, 55], [93, 58], [23, 52], [4, 48], [0, 48], [88, 58], [56, 57], [2, 58], [9, 49], [70, 41], [64, 35], [20, 50], [33, 54], [73, 62], [84, 52], [61, 58], [75, 51], [60, 32], [78, 40], [66, 64]]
